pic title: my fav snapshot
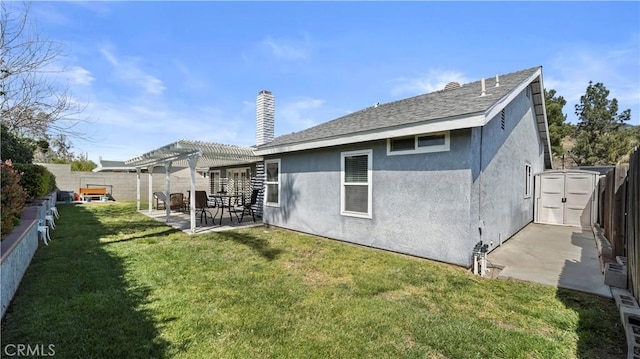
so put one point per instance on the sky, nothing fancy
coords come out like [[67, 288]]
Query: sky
[[150, 73]]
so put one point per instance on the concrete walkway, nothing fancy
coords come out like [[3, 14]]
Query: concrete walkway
[[559, 256]]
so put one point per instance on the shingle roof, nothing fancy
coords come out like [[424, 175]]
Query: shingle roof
[[433, 106]]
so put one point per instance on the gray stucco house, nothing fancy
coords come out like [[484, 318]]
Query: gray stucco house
[[429, 176]]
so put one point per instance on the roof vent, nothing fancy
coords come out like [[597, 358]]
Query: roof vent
[[452, 85]]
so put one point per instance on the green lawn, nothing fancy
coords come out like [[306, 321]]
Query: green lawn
[[116, 284]]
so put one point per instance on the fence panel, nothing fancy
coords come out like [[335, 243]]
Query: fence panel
[[633, 222], [619, 215]]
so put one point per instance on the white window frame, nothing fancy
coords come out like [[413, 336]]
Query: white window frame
[[343, 155], [528, 180], [427, 149], [266, 188], [212, 175]]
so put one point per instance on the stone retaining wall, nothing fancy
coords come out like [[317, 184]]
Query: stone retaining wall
[[19, 246]]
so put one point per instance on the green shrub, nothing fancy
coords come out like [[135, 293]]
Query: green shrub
[[12, 199], [16, 149], [36, 180]]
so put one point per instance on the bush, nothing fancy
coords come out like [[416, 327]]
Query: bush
[[36, 180], [13, 197]]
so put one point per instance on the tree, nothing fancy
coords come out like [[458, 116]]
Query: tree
[[83, 165], [32, 103], [558, 127], [599, 140], [16, 149]]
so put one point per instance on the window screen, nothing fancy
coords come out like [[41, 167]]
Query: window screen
[[403, 144], [356, 186], [432, 140], [273, 182]]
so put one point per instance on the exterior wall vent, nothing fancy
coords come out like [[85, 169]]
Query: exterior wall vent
[[502, 119], [452, 85]]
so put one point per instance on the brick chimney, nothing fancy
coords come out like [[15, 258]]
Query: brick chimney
[[265, 108]]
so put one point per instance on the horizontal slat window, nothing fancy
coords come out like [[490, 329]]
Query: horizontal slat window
[[431, 140], [423, 143], [403, 144], [356, 184]]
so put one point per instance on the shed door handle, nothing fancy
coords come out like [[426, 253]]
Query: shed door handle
[[564, 199]]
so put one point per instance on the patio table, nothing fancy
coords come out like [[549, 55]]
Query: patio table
[[220, 201]]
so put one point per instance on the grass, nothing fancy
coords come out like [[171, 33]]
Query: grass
[[114, 283]]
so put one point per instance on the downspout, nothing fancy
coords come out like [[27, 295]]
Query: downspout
[[480, 250], [480, 221]]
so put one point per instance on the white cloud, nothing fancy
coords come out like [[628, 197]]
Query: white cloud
[[617, 67], [299, 113], [73, 75], [123, 130], [100, 8], [78, 75], [288, 49], [434, 80], [129, 70], [48, 13], [109, 56]]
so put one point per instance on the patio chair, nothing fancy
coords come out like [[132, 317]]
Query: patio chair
[[160, 199], [248, 207], [176, 201], [202, 206]]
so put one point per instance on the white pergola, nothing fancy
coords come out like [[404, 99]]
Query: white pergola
[[194, 154]]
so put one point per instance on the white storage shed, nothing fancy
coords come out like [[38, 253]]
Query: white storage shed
[[566, 197]]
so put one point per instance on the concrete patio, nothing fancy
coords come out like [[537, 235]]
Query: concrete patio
[[181, 221], [559, 256]]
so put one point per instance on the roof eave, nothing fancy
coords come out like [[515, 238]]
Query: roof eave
[[443, 124]]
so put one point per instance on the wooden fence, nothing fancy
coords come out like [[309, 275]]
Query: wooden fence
[[619, 215]]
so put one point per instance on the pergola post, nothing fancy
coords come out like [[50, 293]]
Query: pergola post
[[150, 170], [167, 171], [193, 160], [138, 170]]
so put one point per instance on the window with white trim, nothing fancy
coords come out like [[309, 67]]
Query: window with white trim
[[272, 183], [424, 143], [214, 181], [527, 180], [355, 191]]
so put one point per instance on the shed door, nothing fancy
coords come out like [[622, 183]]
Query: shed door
[[550, 206], [578, 192], [565, 198]]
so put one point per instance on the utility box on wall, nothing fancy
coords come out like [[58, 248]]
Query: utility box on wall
[[566, 197]]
